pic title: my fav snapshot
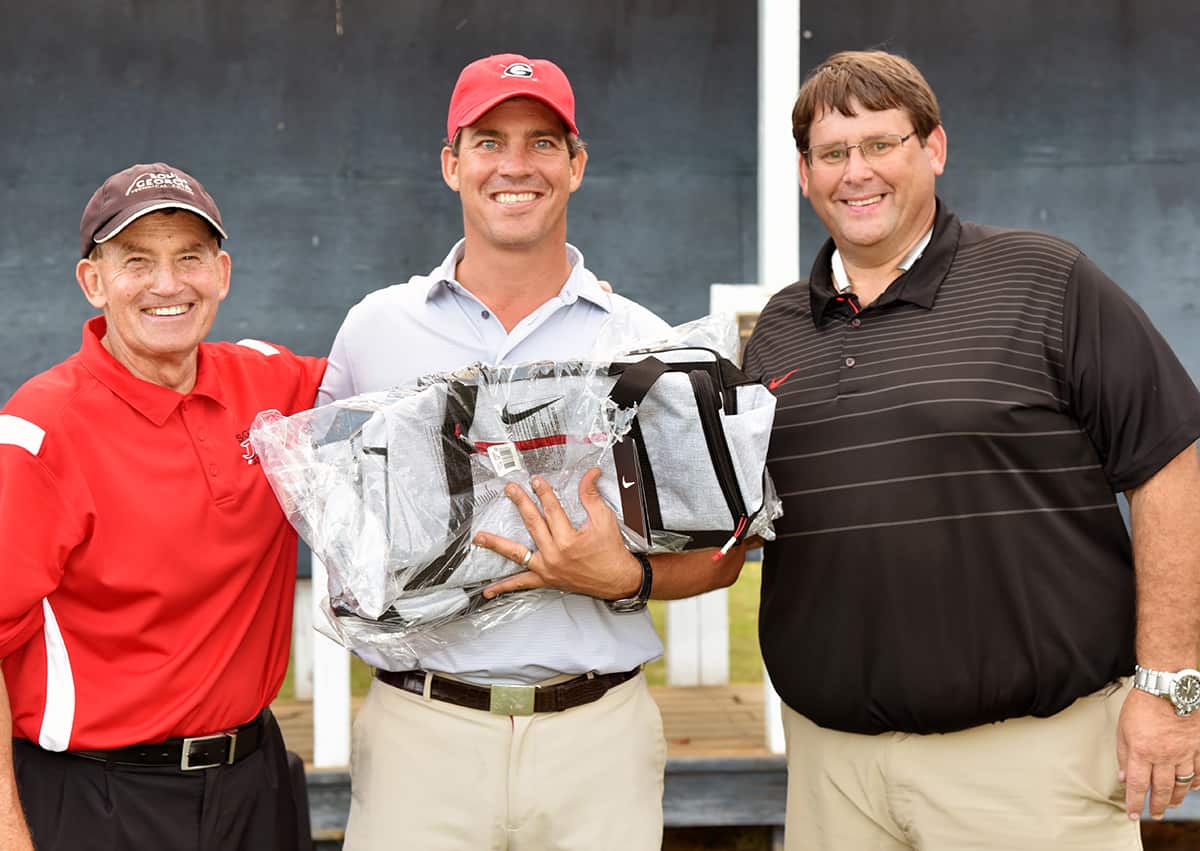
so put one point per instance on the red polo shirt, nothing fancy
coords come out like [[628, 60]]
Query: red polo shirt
[[147, 570]]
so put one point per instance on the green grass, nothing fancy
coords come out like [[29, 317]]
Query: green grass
[[745, 661]]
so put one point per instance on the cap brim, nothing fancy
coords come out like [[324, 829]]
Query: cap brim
[[138, 212], [476, 112]]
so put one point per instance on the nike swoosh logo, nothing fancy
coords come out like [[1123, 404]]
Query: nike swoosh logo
[[626, 484], [513, 417], [775, 382]]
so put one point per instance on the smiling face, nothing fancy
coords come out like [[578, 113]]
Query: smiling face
[[159, 282], [875, 211], [514, 175]]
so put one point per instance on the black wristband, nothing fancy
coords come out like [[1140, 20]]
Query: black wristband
[[637, 602]]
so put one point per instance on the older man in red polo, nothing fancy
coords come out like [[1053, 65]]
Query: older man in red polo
[[148, 570]]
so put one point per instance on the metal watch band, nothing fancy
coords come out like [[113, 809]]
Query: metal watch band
[[1157, 683], [1181, 688]]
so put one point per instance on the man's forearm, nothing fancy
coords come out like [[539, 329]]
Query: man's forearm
[[678, 575], [1155, 746], [1165, 511], [14, 834]]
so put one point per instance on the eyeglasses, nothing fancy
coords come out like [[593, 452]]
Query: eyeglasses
[[836, 155]]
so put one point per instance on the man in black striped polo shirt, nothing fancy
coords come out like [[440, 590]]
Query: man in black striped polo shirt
[[958, 405]]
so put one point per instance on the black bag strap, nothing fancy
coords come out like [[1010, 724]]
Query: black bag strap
[[639, 505], [636, 380], [646, 475], [460, 482], [727, 375], [708, 406]]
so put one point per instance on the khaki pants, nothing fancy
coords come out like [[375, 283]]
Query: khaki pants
[[433, 776], [1027, 784]]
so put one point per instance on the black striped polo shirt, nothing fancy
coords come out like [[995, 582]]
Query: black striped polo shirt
[[951, 551]]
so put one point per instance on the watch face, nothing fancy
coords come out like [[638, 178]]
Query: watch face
[[1185, 691]]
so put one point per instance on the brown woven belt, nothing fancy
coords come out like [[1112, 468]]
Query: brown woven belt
[[508, 700]]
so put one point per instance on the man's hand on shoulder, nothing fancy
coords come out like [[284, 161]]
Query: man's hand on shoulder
[[591, 559], [1154, 746]]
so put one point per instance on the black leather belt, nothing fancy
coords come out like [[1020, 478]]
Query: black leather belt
[[509, 700], [189, 754]]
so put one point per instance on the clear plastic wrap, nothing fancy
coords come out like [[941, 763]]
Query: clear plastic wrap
[[715, 332], [388, 489]]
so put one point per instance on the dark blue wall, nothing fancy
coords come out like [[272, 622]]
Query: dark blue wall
[[322, 146], [1079, 118]]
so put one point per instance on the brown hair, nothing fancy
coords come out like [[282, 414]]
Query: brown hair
[[574, 143], [876, 79]]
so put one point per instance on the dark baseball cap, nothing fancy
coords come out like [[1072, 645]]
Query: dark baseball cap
[[138, 190], [490, 81]]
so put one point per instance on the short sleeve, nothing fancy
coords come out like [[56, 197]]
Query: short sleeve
[[338, 382], [750, 359], [37, 533], [290, 381], [312, 371], [1126, 387]]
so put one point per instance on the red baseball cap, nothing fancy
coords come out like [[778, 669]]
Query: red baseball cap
[[138, 190], [487, 82]]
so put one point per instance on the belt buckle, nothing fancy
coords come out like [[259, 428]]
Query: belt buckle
[[511, 700], [185, 760]]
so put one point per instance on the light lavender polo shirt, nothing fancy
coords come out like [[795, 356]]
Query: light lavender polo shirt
[[433, 324]]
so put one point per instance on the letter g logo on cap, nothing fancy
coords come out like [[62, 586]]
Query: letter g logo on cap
[[518, 69]]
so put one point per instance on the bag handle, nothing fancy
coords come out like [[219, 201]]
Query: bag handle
[[636, 380]]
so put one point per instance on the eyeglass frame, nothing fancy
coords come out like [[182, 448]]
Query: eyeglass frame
[[807, 154]]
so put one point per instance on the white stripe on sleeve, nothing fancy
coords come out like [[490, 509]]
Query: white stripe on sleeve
[[15, 431], [259, 346], [59, 715]]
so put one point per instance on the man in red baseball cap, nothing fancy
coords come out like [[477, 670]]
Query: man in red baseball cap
[[148, 569], [541, 732]]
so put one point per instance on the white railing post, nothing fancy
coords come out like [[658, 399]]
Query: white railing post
[[778, 196], [698, 640], [331, 687], [772, 716], [778, 162], [698, 628], [302, 640]]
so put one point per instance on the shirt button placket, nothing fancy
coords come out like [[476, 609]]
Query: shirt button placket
[[849, 361], [192, 419]]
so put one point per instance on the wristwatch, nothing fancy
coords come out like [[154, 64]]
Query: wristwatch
[[1182, 688], [638, 601]]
